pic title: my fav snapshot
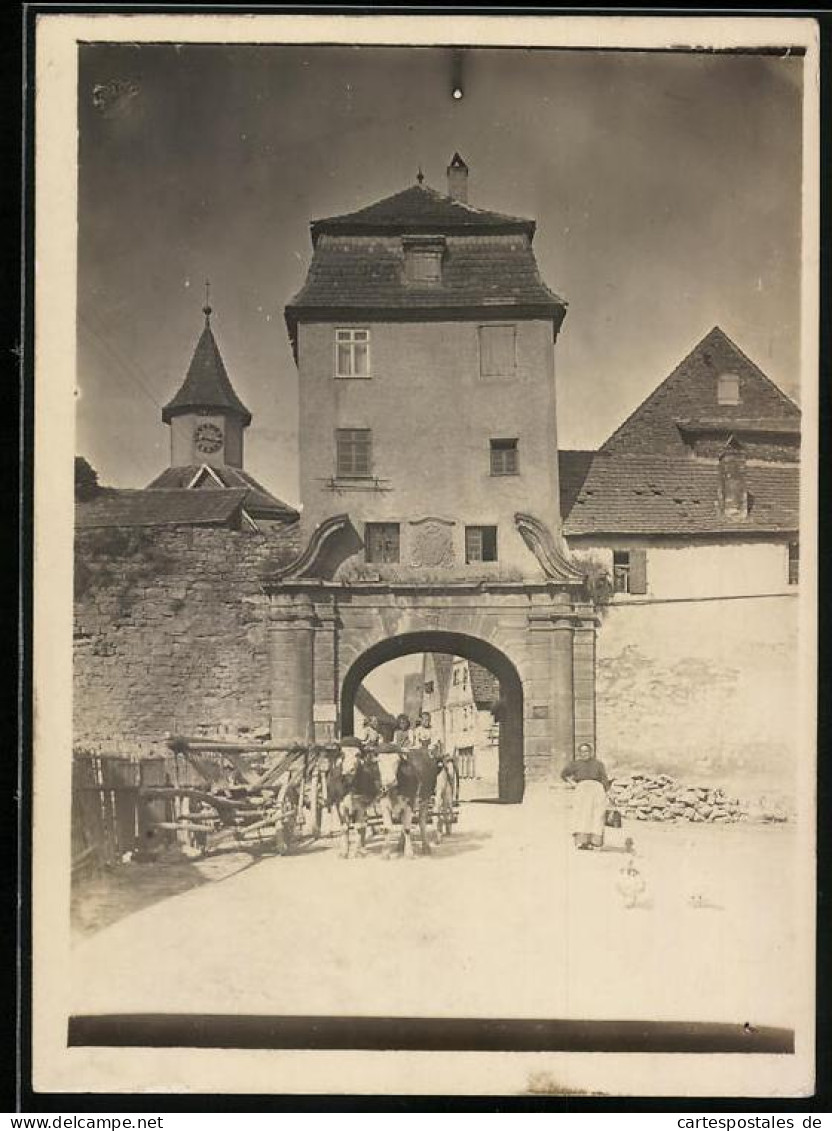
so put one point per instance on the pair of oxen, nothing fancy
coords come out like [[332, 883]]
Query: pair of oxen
[[402, 783]]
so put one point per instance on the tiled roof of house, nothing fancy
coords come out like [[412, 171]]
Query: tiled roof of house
[[657, 495], [485, 687], [366, 273], [116, 507], [419, 209], [690, 394], [370, 707], [260, 503], [206, 385]]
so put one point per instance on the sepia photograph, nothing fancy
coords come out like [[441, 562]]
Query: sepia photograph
[[438, 667]]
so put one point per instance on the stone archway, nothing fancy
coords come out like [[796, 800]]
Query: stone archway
[[537, 634], [511, 779]]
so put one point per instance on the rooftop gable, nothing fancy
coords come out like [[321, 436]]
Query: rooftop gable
[[260, 503], [690, 394]]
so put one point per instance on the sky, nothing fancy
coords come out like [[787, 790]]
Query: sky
[[666, 190]]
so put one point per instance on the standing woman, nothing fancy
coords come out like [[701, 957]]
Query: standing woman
[[589, 779]]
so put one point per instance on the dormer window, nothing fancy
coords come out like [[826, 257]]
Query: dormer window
[[728, 389], [423, 261]]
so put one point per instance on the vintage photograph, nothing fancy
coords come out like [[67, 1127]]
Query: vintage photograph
[[437, 639]]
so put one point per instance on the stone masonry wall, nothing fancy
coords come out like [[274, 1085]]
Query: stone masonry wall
[[704, 691], [171, 632]]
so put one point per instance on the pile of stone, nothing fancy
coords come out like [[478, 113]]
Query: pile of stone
[[659, 797]]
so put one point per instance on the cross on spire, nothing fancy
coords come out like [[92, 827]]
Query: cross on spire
[[420, 176], [206, 310]]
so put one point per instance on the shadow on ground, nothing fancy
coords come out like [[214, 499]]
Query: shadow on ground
[[115, 893]]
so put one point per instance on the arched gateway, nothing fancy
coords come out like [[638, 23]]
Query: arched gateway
[[511, 775], [425, 343]]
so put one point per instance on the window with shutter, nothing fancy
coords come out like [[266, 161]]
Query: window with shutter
[[498, 351], [504, 459], [354, 453], [381, 542], [629, 571], [480, 544]]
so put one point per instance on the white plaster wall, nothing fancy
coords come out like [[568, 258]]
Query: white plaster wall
[[695, 570], [702, 689], [432, 417]]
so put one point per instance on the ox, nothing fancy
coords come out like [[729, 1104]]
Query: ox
[[352, 785], [408, 781]]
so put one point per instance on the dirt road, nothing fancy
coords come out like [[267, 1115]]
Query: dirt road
[[504, 919]]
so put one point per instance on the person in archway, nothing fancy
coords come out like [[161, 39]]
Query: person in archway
[[403, 734], [588, 777], [423, 735], [371, 735]]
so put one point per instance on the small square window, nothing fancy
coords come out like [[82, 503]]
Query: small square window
[[480, 544], [504, 457], [354, 453], [352, 353], [728, 389], [381, 542], [428, 688], [794, 563]]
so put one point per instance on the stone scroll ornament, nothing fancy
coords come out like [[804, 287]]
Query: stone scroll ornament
[[553, 560], [431, 543], [310, 561]]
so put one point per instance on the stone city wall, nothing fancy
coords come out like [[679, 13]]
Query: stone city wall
[[171, 632]]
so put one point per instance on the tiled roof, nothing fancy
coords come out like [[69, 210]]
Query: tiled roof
[[206, 385], [370, 707], [690, 393], [419, 209], [762, 425], [365, 273], [115, 507], [657, 495], [260, 503], [485, 687]]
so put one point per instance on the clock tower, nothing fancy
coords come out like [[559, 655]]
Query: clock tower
[[206, 417]]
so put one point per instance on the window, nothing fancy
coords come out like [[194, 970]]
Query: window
[[504, 457], [352, 353], [428, 688], [423, 265], [498, 353], [728, 389], [480, 544], [629, 571], [621, 571], [354, 453], [794, 563], [381, 542], [456, 677]]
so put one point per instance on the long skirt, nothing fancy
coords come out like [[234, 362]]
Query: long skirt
[[589, 805]]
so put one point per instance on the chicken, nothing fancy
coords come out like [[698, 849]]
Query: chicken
[[631, 884]]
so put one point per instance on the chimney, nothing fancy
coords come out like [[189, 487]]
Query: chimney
[[733, 487], [458, 179]]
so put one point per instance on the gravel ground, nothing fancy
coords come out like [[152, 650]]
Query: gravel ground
[[505, 919]]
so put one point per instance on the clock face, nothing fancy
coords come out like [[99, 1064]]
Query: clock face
[[208, 438]]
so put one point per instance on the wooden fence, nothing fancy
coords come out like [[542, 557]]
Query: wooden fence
[[107, 819]]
